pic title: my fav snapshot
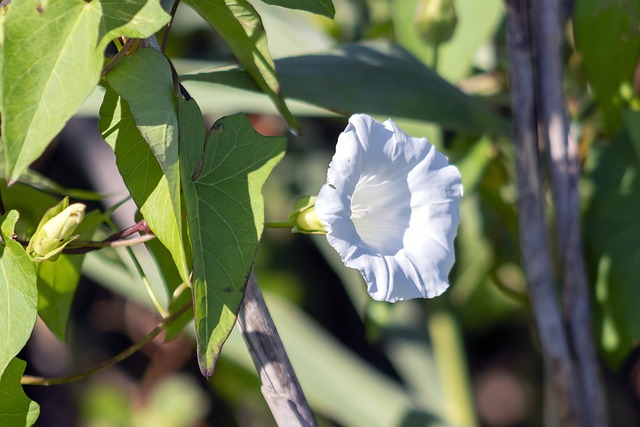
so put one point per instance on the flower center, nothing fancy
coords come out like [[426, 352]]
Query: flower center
[[380, 212]]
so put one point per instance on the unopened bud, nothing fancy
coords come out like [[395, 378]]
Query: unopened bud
[[304, 217], [436, 20], [51, 237]]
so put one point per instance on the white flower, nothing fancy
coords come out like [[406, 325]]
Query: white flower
[[391, 207]]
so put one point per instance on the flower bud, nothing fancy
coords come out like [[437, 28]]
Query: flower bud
[[435, 20], [51, 237], [304, 218]]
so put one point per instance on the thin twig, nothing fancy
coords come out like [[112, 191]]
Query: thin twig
[[82, 246], [139, 227], [112, 63], [167, 29], [280, 386], [33, 380]]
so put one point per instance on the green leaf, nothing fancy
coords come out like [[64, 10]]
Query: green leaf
[[606, 33], [377, 78], [16, 409], [47, 73], [58, 280], [138, 119], [240, 26], [320, 7], [612, 244], [222, 182], [31, 203], [18, 293]]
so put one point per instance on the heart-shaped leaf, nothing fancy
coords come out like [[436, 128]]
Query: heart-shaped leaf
[[222, 180]]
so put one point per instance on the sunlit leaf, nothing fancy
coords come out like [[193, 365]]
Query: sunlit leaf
[[376, 79], [321, 7], [222, 181], [140, 122], [18, 293], [240, 26], [16, 409], [43, 85]]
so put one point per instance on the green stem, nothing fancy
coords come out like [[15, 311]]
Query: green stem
[[122, 50], [32, 380], [450, 361], [436, 57], [140, 270], [81, 244], [167, 29]]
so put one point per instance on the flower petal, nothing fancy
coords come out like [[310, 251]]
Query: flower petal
[[391, 207]]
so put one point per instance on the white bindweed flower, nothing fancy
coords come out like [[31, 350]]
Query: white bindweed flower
[[391, 208]]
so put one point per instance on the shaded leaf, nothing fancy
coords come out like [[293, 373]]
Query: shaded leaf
[[320, 7], [18, 293], [612, 245], [16, 409], [376, 79], [606, 33], [61, 66], [222, 181], [240, 26], [58, 280], [138, 118]]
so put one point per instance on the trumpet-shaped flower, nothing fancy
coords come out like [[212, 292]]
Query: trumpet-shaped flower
[[391, 208]]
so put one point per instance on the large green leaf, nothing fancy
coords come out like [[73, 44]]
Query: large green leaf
[[222, 181], [606, 33], [240, 26], [140, 122], [321, 7], [16, 409], [372, 78], [18, 293], [52, 57], [612, 235]]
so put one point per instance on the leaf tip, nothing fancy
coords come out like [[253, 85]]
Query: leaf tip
[[207, 366]]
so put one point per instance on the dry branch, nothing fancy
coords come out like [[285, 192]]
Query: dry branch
[[280, 387]]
